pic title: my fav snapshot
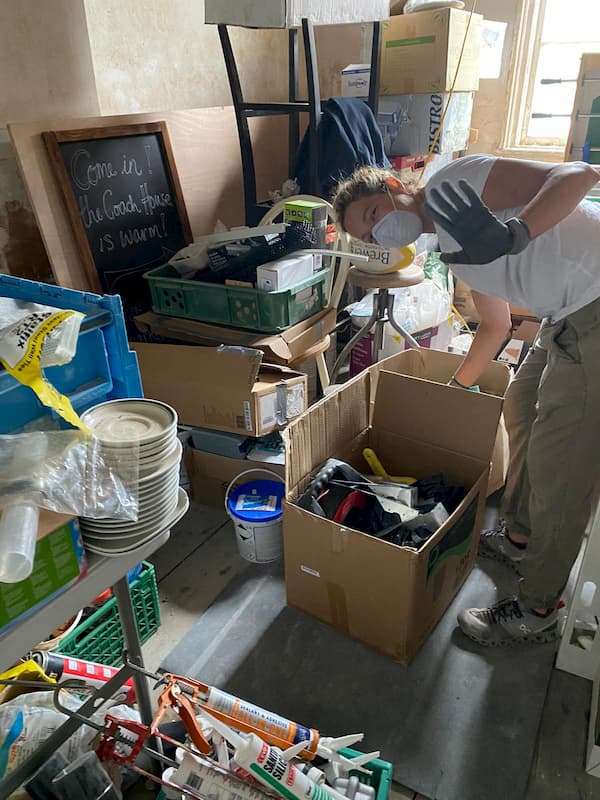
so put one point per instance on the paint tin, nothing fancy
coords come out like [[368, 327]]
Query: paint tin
[[255, 509]]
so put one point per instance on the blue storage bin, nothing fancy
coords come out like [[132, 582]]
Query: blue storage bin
[[104, 368]]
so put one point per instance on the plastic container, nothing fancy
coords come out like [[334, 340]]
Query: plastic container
[[236, 306], [18, 535], [103, 368], [255, 509], [100, 637], [382, 773]]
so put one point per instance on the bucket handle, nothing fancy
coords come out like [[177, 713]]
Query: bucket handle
[[248, 472]]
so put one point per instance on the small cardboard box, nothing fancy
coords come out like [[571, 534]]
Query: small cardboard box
[[386, 596], [355, 80], [289, 13], [59, 562], [410, 122], [522, 339], [226, 388], [283, 273], [210, 474], [420, 52]]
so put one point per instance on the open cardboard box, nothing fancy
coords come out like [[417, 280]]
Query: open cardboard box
[[387, 596], [225, 388], [432, 365]]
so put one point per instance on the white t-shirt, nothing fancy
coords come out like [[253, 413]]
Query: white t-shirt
[[557, 273]]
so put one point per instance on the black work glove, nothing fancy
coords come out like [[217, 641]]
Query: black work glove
[[482, 236]]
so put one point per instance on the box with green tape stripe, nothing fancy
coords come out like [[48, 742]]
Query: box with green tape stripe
[[420, 52], [386, 594]]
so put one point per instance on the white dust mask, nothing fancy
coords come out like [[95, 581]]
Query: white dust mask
[[398, 228]]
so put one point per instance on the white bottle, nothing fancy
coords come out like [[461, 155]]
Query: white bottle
[[211, 782], [269, 767]]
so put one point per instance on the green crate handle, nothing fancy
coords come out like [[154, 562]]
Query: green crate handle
[[382, 776]]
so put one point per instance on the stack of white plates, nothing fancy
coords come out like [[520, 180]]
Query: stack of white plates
[[146, 431]]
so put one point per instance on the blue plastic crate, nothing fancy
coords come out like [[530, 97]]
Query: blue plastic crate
[[104, 368]]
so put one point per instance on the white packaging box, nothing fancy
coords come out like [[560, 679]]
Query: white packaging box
[[355, 80], [283, 273], [290, 13], [409, 122]]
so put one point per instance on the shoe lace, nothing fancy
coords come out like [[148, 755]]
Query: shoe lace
[[501, 529], [503, 611]]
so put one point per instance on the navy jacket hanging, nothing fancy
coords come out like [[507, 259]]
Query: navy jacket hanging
[[348, 138]]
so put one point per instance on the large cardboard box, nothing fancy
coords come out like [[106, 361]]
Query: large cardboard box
[[410, 122], [387, 596], [225, 388], [289, 13], [210, 475], [420, 52]]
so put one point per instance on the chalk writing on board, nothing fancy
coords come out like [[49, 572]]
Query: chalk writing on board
[[125, 200]]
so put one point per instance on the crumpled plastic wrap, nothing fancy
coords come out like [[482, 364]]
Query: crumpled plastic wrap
[[69, 472]]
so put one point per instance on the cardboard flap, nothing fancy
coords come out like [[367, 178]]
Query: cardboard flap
[[457, 420], [326, 429], [437, 366]]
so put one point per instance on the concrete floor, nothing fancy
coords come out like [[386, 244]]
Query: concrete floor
[[200, 559]]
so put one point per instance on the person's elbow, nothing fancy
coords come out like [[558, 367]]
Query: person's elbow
[[497, 329]]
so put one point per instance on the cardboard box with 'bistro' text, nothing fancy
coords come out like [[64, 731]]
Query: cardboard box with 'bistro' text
[[410, 122], [224, 388], [386, 596], [420, 52]]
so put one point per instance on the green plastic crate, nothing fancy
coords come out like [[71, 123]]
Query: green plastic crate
[[100, 637], [235, 306], [380, 780]]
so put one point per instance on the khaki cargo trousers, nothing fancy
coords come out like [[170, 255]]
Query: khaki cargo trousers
[[552, 414]]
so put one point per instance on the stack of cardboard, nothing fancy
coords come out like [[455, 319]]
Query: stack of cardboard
[[419, 60]]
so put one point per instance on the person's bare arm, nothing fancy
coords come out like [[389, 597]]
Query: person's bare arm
[[547, 192], [493, 331]]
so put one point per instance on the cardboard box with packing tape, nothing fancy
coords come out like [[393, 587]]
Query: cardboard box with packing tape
[[386, 596], [226, 388]]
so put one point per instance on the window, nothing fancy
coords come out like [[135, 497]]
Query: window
[[552, 35]]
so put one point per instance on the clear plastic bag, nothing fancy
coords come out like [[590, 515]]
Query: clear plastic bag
[[69, 472]]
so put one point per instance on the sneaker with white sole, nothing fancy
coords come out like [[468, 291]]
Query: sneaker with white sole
[[494, 543], [507, 623]]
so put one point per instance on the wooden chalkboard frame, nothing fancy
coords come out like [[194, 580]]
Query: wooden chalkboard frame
[[53, 140]]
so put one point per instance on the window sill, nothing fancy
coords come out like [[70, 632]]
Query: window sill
[[533, 153]]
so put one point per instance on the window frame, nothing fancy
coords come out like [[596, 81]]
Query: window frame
[[515, 142]]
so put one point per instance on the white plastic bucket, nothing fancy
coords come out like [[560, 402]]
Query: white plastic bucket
[[255, 509]]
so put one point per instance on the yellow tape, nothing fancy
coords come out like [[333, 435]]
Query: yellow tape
[[28, 371]]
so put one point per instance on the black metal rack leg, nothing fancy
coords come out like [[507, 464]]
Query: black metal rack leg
[[294, 90], [375, 79], [248, 171], [314, 103]]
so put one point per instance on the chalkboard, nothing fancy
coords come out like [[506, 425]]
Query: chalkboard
[[123, 196]]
